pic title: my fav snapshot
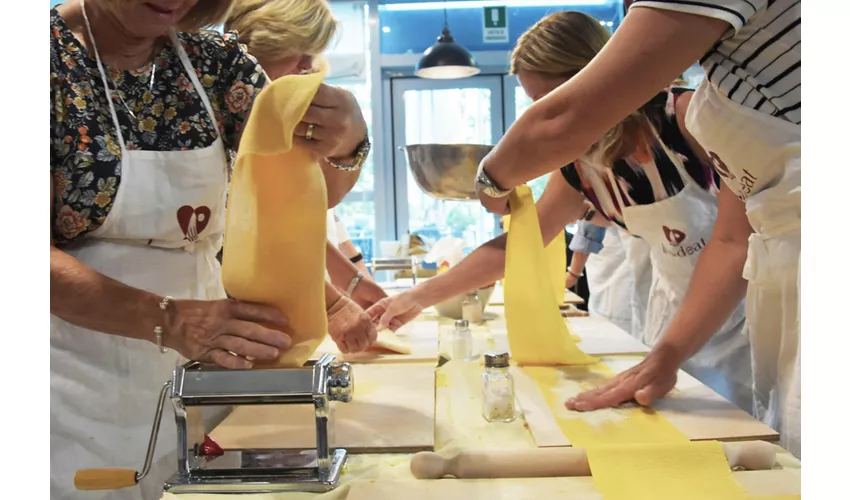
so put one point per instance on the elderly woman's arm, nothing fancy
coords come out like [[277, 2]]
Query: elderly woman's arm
[[199, 330], [650, 49]]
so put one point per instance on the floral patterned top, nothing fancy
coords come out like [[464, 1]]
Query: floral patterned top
[[85, 158]]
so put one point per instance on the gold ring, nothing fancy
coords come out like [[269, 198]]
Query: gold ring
[[309, 134]]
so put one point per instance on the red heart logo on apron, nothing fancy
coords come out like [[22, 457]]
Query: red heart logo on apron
[[719, 166], [674, 236], [193, 221]]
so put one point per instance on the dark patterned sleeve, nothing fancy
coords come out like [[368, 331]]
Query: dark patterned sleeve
[[241, 78], [54, 93]]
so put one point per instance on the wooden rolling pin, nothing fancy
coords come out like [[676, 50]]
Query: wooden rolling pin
[[555, 462]]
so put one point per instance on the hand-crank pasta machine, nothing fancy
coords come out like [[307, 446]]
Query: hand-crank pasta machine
[[202, 467]]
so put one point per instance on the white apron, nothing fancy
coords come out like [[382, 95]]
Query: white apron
[[162, 235], [758, 156], [610, 282], [677, 230], [638, 253]]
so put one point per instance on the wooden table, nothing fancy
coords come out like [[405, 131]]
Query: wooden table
[[458, 425]]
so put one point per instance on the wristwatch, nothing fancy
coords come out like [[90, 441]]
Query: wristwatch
[[484, 184], [590, 214], [359, 156]]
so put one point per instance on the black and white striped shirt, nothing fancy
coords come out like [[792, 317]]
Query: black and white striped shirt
[[757, 63]]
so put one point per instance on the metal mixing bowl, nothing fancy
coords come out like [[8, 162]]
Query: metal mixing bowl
[[446, 171]]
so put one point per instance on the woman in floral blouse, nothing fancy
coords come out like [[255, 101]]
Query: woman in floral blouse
[[145, 110]]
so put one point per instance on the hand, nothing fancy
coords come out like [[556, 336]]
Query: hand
[[225, 332], [338, 124], [571, 280], [651, 379], [350, 327], [367, 293], [394, 312]]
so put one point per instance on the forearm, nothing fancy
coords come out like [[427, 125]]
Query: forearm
[[83, 297], [483, 267], [577, 264], [332, 295], [715, 290], [649, 50], [340, 269]]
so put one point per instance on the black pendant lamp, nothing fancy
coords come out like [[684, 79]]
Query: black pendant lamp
[[446, 60]]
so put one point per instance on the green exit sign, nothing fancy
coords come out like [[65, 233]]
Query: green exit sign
[[495, 24]]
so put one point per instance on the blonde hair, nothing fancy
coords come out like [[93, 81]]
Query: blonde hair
[[272, 29], [561, 45]]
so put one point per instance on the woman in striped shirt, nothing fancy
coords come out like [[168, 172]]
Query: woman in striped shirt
[[746, 115], [648, 176]]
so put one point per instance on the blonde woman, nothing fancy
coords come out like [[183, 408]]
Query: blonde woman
[[145, 109], [288, 37], [747, 115], [648, 176]]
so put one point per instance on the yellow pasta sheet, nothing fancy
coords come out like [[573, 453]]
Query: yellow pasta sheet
[[537, 333], [274, 247]]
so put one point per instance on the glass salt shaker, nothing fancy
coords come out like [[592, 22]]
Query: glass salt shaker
[[471, 309], [497, 388], [462, 341]]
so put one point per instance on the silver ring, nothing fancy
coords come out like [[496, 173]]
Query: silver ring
[[309, 134]]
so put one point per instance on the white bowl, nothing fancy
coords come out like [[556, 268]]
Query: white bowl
[[453, 307]]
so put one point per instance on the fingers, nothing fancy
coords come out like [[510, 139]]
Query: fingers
[[614, 393], [392, 309], [376, 310], [320, 118], [226, 360], [258, 313], [319, 133], [257, 333], [322, 149], [329, 97], [246, 348]]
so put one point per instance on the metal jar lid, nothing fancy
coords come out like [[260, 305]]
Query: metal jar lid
[[461, 323], [497, 360]]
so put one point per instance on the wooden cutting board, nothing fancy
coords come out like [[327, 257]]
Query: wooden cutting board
[[693, 408], [392, 411], [756, 484], [421, 336], [599, 337]]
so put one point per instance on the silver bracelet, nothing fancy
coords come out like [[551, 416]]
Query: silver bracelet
[[353, 284], [163, 305]]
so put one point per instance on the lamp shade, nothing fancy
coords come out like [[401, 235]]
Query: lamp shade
[[446, 60]]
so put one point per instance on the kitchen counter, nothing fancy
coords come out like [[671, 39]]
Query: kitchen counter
[[459, 426]]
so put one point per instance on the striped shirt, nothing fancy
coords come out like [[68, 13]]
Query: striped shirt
[[757, 62]]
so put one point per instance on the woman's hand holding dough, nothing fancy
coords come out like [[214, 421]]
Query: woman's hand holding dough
[[350, 327], [225, 332], [396, 311], [337, 123]]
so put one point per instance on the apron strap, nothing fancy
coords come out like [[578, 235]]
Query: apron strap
[[615, 186], [187, 65], [680, 167], [103, 77]]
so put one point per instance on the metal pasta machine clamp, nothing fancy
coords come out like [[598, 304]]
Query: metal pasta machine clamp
[[203, 467]]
